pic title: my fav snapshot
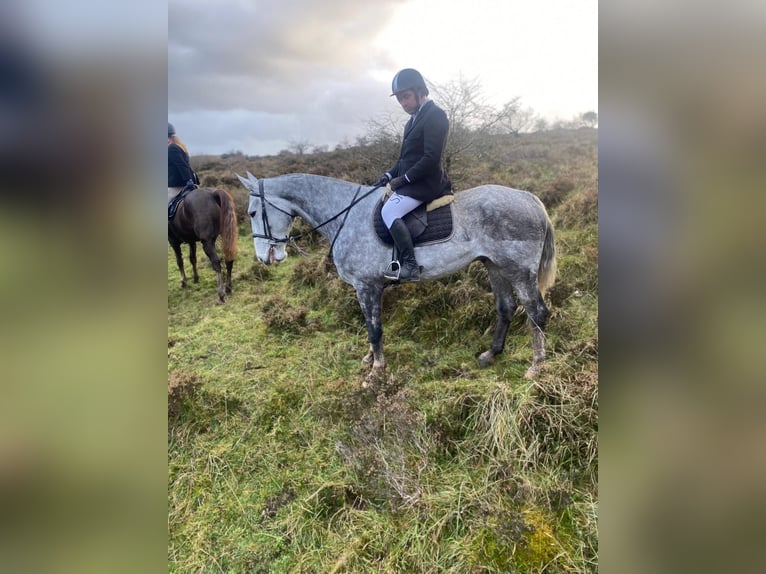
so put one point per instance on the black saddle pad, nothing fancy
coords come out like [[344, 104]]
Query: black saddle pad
[[176, 201], [425, 226]]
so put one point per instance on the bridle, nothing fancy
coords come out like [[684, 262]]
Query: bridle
[[265, 218], [274, 241]]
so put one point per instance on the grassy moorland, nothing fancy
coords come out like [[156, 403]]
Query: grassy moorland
[[279, 460]]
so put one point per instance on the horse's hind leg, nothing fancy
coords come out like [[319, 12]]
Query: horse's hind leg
[[537, 317], [215, 261], [229, 267], [193, 260], [179, 261], [505, 306]]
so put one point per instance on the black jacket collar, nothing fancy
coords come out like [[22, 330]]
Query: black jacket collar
[[423, 111]]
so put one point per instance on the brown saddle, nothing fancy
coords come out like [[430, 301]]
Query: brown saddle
[[428, 223]]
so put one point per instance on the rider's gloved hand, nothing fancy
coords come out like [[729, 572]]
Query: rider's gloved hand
[[398, 182], [382, 180], [190, 185]]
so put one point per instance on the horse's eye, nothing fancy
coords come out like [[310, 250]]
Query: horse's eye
[[251, 214]]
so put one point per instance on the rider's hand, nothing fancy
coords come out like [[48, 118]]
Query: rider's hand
[[398, 182], [383, 180]]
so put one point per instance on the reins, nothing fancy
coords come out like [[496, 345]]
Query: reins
[[292, 238]]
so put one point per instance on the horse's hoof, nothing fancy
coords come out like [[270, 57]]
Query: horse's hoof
[[368, 359], [228, 290], [374, 379], [183, 284], [486, 359], [532, 372], [221, 300]]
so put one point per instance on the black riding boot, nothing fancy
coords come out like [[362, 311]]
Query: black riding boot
[[408, 265]]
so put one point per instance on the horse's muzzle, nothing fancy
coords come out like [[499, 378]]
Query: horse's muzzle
[[275, 254]]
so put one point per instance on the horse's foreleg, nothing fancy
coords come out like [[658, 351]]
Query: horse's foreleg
[[498, 342], [215, 261], [193, 260], [179, 261], [371, 301], [368, 358], [505, 306]]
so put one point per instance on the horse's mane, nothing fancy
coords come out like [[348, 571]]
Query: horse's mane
[[297, 175]]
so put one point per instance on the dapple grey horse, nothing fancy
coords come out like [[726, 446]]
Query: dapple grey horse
[[506, 229]]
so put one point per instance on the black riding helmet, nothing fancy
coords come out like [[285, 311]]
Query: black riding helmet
[[171, 130], [408, 79]]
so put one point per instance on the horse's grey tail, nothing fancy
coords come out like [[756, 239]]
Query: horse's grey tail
[[546, 274]]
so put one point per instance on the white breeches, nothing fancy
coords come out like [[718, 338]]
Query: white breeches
[[397, 207]]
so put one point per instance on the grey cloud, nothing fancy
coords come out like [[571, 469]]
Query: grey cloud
[[244, 54], [254, 75], [216, 132], [338, 115], [264, 72]]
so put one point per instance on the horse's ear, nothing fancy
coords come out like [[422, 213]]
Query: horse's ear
[[244, 181], [252, 178]]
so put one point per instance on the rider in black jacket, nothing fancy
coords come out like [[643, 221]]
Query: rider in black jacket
[[179, 168], [418, 176]]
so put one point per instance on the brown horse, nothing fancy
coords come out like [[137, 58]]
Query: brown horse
[[202, 215]]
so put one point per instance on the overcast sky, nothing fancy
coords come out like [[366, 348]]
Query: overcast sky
[[255, 75]]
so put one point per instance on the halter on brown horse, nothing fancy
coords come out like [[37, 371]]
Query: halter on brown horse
[[203, 215]]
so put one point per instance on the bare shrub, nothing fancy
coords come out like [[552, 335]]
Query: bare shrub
[[343, 302], [256, 272], [448, 421], [308, 272], [553, 194], [280, 315], [274, 503], [578, 209], [388, 450], [182, 387], [577, 265], [309, 239], [464, 297], [559, 293], [477, 272], [210, 181], [314, 278], [241, 202], [552, 424], [473, 307], [561, 422]]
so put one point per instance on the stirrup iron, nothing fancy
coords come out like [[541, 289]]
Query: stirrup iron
[[393, 270]]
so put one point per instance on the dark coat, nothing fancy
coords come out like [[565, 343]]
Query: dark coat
[[421, 156], [179, 168]]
